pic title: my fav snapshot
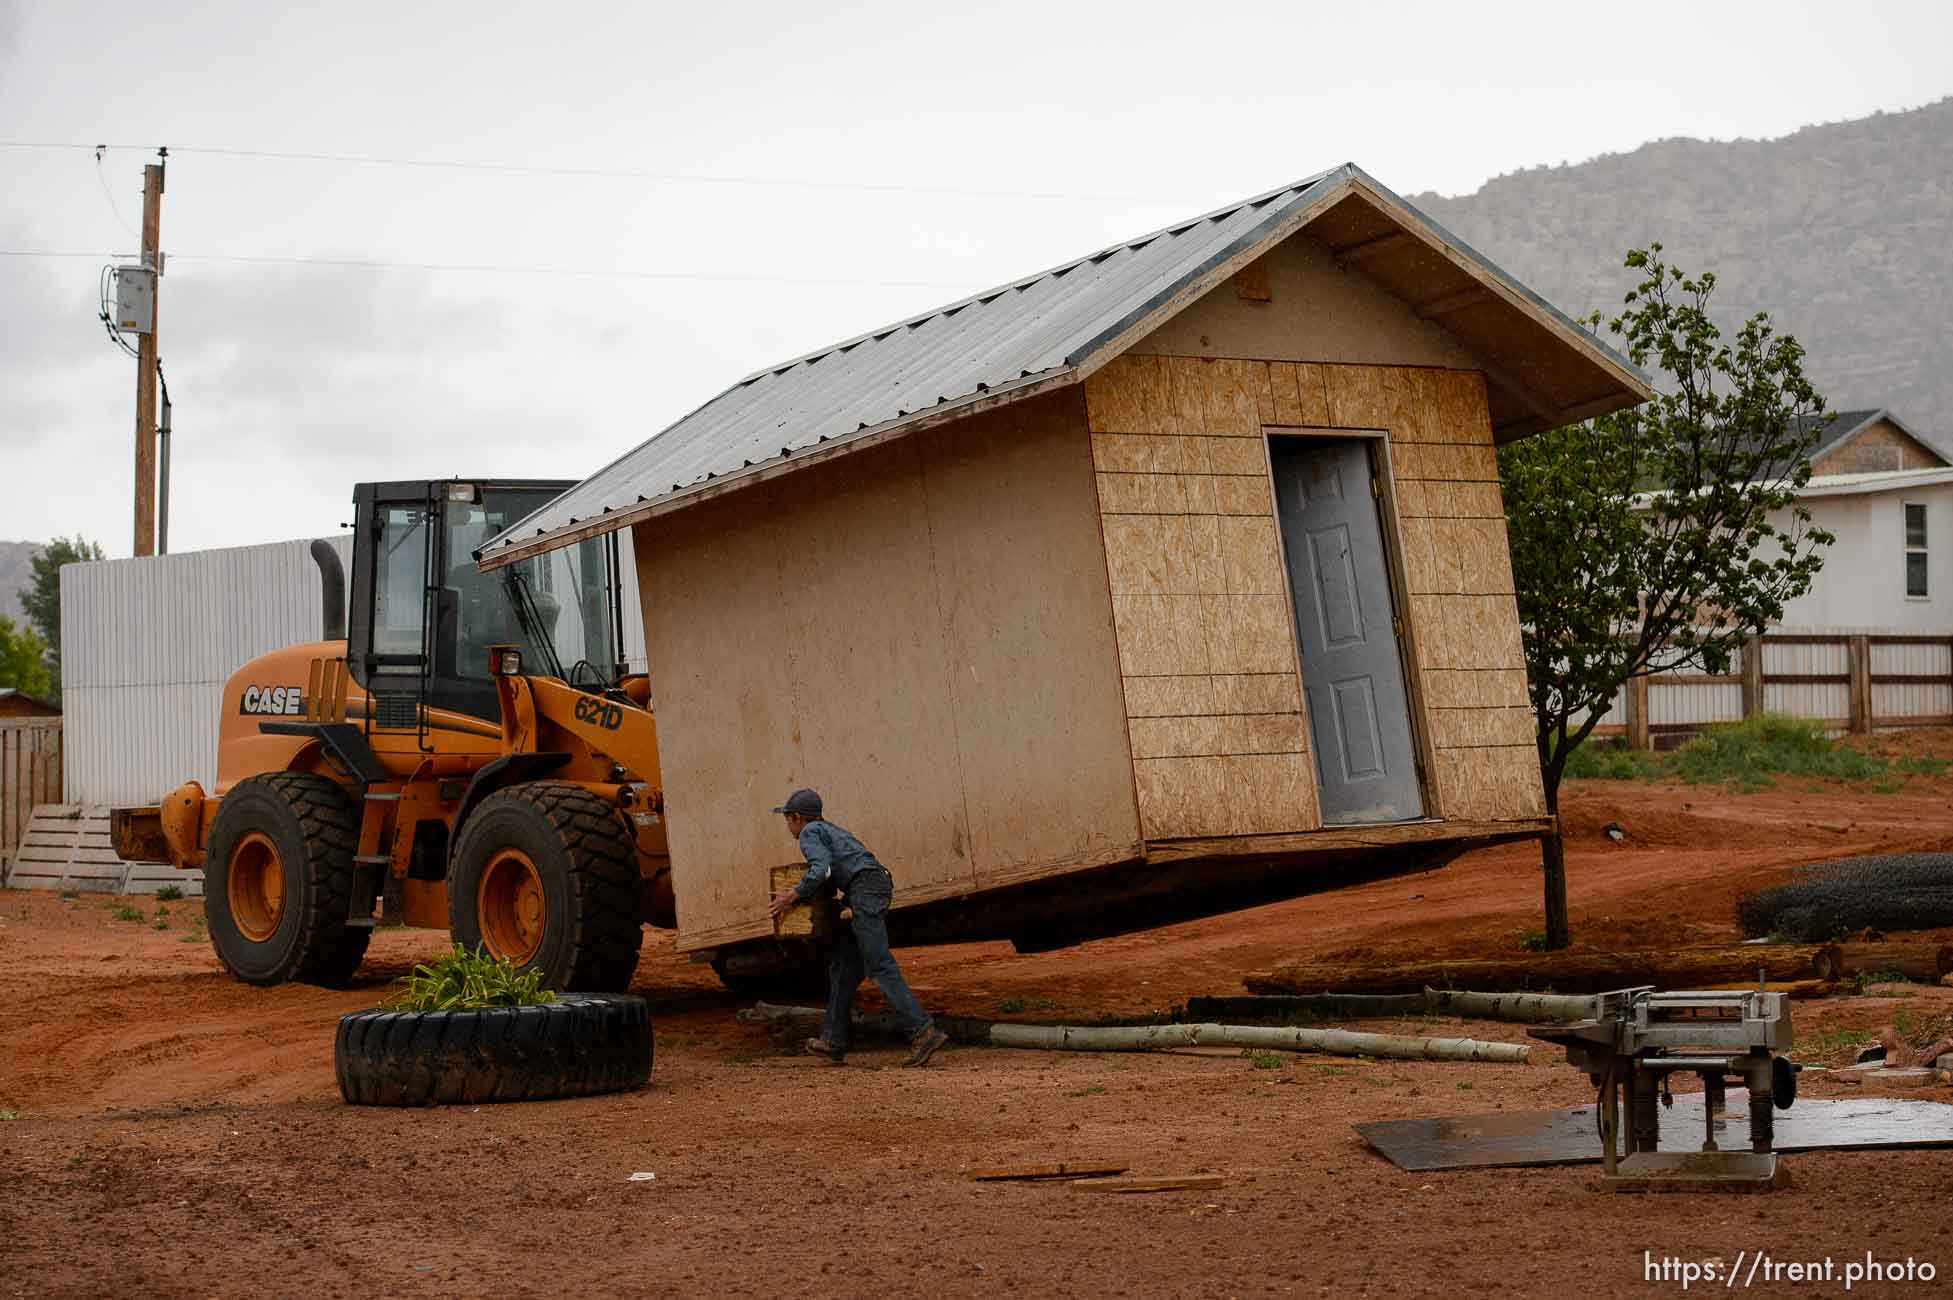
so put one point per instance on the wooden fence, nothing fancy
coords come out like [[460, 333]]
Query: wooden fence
[[1853, 682], [30, 774]]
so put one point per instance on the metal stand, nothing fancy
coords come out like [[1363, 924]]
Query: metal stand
[[1637, 1037]]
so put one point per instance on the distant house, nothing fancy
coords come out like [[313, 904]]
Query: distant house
[[1886, 491], [19, 704], [1871, 643]]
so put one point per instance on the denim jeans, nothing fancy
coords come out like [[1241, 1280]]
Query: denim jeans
[[868, 955]]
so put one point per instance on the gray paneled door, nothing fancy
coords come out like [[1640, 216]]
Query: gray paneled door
[[1352, 672]]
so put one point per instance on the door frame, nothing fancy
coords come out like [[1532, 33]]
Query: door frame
[[1378, 444]]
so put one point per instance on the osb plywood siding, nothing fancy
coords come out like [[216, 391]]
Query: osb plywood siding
[[1204, 626], [921, 633], [1882, 447], [1457, 571], [1206, 645]]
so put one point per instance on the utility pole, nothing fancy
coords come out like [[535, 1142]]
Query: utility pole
[[152, 257]]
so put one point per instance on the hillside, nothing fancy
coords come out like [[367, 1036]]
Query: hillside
[[16, 576], [1843, 233]]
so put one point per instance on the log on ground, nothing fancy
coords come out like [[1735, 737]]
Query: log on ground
[[1563, 972], [1153, 1038], [1922, 963], [1280, 1007]]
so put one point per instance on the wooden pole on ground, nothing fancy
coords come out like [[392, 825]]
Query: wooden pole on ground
[[1153, 1038], [1564, 972]]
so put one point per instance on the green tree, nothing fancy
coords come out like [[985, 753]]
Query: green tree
[[43, 601], [23, 658], [1662, 537]]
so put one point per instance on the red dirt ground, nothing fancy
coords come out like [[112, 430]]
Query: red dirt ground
[[179, 1134]]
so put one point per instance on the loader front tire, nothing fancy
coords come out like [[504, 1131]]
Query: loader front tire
[[545, 876], [278, 874]]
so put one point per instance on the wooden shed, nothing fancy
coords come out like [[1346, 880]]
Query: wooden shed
[[1168, 581]]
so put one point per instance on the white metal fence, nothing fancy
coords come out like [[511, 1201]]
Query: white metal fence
[[1850, 681]]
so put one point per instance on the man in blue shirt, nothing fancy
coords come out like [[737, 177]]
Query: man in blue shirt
[[837, 860]]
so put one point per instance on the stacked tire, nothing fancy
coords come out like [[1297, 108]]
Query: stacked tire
[[579, 1045]]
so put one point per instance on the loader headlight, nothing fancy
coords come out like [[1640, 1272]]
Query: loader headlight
[[504, 662]]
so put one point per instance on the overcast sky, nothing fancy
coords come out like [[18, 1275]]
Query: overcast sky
[[795, 174]]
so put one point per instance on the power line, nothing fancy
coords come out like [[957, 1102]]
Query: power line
[[371, 264], [614, 173]]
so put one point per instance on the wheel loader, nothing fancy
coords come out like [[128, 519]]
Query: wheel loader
[[472, 756]]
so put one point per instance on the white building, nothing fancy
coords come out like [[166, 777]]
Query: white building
[[1886, 492]]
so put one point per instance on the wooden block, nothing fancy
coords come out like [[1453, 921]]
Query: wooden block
[[1177, 1183], [811, 920], [1160, 635], [1129, 395], [1162, 697], [1256, 693], [1177, 737], [1054, 1169], [1271, 794], [1250, 554], [1181, 797], [1243, 494], [1251, 283]]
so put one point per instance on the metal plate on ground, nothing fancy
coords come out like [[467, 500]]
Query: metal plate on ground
[[1569, 1137]]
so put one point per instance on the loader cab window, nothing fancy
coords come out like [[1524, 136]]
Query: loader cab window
[[399, 583], [424, 615], [566, 616]]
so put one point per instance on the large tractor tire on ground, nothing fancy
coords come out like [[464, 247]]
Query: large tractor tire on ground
[[278, 874], [545, 876], [776, 970], [577, 1046]]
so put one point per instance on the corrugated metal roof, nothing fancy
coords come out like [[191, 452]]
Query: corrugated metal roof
[[1043, 330]]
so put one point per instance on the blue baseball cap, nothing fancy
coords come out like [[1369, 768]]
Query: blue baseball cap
[[807, 803]]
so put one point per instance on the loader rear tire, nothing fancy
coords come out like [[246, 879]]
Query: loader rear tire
[[278, 875], [545, 875], [577, 1046]]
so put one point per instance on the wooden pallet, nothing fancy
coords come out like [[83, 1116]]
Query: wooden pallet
[[67, 846]]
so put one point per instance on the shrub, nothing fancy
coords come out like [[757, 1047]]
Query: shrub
[[460, 980], [1771, 744], [169, 893]]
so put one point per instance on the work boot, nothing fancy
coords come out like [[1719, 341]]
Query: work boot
[[924, 1045], [821, 1047]]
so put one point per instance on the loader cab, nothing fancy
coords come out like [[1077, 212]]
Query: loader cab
[[423, 615]]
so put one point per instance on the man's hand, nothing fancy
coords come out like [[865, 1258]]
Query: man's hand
[[782, 901]]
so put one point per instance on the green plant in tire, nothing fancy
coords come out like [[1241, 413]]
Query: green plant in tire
[[460, 980]]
